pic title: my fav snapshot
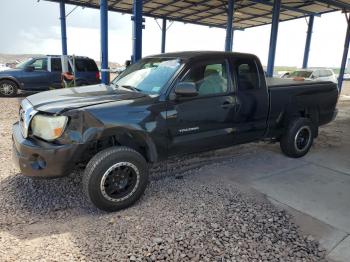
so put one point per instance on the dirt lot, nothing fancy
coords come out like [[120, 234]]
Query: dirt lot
[[182, 217]]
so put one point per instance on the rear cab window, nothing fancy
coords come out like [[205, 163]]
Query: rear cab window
[[246, 74]]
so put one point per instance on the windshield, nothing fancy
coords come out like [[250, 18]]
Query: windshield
[[24, 64], [149, 75], [305, 74]]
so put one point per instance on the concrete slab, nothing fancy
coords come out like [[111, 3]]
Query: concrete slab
[[328, 236], [337, 161], [260, 164], [342, 252], [313, 190]]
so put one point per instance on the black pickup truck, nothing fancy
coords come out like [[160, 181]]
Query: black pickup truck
[[163, 105]]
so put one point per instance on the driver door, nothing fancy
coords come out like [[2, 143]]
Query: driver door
[[205, 121], [37, 79]]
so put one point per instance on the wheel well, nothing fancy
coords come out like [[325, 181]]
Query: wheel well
[[11, 80], [125, 139], [310, 113], [81, 82]]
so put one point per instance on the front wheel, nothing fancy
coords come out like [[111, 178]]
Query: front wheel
[[298, 138], [115, 178], [8, 88]]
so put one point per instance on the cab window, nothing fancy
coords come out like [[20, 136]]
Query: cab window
[[210, 79], [247, 74], [39, 64], [325, 73], [316, 74]]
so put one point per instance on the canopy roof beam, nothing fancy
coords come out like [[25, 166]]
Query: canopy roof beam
[[213, 13], [285, 7], [210, 8], [335, 3]]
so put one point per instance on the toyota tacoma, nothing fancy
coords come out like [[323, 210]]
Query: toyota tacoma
[[175, 103]]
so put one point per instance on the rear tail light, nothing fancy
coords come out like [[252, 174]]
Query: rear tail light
[[97, 75]]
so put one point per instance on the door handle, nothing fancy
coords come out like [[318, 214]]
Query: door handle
[[227, 104]]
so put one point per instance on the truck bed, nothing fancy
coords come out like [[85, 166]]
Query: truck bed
[[289, 97], [287, 82]]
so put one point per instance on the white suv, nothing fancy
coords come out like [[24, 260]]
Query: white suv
[[321, 74]]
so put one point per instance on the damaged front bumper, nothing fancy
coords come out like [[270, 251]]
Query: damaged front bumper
[[37, 158]]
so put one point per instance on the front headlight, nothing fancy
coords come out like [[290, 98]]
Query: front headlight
[[48, 127]]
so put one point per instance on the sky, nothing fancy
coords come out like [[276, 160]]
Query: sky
[[34, 28]]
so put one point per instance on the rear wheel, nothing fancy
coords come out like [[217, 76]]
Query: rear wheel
[[298, 139], [115, 178], [8, 88]]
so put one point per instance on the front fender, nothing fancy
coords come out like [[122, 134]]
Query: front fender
[[83, 128]]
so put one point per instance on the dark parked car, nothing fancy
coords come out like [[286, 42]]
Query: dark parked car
[[44, 73], [163, 105]]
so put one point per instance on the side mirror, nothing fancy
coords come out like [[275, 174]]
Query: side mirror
[[186, 89], [30, 68]]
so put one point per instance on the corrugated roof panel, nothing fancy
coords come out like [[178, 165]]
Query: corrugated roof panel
[[248, 13]]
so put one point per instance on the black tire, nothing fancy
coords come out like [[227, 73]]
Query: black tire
[[112, 164], [82, 84], [8, 88], [298, 138]]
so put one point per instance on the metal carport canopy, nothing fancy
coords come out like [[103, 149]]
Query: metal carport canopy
[[213, 13], [229, 14]]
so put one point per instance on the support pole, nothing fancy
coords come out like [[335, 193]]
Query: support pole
[[229, 27], [137, 30], [345, 56], [308, 41], [273, 37], [163, 35], [104, 41], [63, 27]]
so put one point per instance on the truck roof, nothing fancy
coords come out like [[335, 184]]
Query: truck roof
[[58, 56], [187, 55]]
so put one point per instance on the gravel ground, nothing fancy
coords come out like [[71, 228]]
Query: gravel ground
[[182, 217]]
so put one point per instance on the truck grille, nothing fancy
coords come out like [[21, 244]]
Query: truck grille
[[26, 113]]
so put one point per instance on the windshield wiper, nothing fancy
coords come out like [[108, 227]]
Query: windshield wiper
[[131, 88]]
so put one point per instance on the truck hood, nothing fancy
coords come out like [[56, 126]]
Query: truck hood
[[58, 101]]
